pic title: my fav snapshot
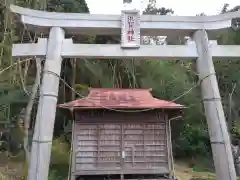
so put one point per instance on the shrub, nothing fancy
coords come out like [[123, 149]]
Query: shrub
[[3, 177], [193, 140], [59, 159], [202, 179]]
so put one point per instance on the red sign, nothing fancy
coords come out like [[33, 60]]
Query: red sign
[[130, 31]]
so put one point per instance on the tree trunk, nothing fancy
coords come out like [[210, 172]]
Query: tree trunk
[[230, 118], [235, 148], [74, 68], [236, 156], [27, 118]]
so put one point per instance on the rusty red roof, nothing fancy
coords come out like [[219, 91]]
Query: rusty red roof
[[100, 98]]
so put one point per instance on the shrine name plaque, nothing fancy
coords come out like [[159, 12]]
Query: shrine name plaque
[[130, 29]]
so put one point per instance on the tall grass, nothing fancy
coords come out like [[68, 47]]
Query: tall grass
[[58, 168], [59, 159]]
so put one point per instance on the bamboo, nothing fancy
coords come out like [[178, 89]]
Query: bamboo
[[74, 69]]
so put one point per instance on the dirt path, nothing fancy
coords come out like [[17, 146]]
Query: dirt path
[[186, 173]]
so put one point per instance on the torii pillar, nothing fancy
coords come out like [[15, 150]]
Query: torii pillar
[[45, 120], [217, 127]]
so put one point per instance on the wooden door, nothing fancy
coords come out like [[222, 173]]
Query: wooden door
[[145, 146], [109, 146], [120, 146], [98, 146]]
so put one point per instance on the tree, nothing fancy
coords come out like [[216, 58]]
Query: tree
[[17, 79], [152, 9]]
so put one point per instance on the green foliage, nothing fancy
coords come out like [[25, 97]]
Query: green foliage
[[152, 9], [54, 175], [192, 141], [3, 177], [59, 164], [60, 151], [67, 6], [60, 159], [202, 179]]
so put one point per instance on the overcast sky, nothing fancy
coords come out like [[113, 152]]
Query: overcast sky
[[180, 7]]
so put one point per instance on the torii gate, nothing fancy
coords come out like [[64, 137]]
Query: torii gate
[[57, 47]]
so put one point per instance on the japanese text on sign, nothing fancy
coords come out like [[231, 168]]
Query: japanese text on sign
[[130, 31]]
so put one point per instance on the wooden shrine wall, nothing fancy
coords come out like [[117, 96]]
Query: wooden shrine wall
[[110, 144]]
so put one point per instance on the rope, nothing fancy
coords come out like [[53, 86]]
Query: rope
[[118, 110], [104, 107]]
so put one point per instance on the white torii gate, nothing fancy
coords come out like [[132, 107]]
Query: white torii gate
[[130, 25]]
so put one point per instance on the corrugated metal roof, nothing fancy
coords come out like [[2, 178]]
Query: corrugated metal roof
[[100, 98]]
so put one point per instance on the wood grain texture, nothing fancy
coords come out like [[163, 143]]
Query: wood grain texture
[[127, 144]]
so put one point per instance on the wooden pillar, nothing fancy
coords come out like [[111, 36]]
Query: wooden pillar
[[43, 131], [217, 127]]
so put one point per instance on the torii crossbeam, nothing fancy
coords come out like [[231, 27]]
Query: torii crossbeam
[[57, 47]]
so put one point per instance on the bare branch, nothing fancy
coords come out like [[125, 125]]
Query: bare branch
[[27, 118]]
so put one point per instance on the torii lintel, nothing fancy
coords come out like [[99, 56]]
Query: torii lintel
[[93, 24]]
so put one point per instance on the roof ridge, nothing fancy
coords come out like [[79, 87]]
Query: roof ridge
[[121, 89], [121, 98]]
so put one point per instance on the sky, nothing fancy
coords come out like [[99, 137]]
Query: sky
[[180, 7]]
